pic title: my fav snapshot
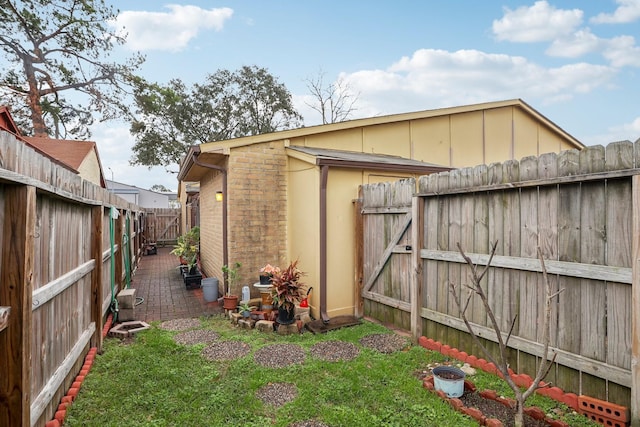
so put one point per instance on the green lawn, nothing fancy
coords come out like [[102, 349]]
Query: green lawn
[[155, 382]]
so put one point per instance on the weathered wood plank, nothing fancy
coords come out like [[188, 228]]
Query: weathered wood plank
[[635, 302], [618, 253], [568, 269], [592, 251], [16, 275], [47, 292], [43, 398]]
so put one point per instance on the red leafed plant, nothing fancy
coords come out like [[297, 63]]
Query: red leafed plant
[[287, 290]]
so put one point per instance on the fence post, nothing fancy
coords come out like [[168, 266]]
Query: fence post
[[417, 242], [635, 304], [359, 254], [16, 290], [97, 216]]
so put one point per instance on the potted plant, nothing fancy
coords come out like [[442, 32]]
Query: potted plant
[[287, 291], [232, 276], [266, 273], [187, 248], [245, 309]]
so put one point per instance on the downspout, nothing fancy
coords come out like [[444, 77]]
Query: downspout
[[225, 251], [324, 173]]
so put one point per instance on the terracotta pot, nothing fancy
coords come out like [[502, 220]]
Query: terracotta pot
[[230, 302]]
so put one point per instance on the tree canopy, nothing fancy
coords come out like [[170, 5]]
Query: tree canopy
[[229, 104], [53, 47]]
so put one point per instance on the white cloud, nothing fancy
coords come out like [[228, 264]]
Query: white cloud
[[169, 31], [437, 78], [580, 43], [622, 51], [540, 22], [627, 11], [627, 131]]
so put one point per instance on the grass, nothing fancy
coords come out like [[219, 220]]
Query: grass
[[153, 381]]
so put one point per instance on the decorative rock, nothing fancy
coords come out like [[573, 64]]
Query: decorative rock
[[467, 369], [264, 325], [235, 317], [247, 323], [288, 329]]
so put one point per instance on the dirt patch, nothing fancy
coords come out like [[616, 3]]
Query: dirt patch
[[279, 355], [180, 324], [196, 336], [384, 343], [226, 350], [277, 394], [335, 351], [494, 409]]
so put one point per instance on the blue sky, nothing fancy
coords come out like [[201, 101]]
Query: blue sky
[[576, 62]]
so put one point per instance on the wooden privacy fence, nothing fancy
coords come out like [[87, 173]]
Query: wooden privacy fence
[[582, 208], [63, 258], [161, 225]]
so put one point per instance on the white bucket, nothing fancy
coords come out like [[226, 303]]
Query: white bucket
[[449, 379], [210, 289]]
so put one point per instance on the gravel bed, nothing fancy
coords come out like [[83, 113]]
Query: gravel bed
[[180, 324], [277, 394], [225, 350], [279, 355], [384, 343], [196, 336], [335, 351]]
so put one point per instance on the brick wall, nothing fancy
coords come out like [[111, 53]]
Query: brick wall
[[211, 226], [257, 199], [257, 213]]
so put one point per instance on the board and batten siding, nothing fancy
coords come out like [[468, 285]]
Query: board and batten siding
[[578, 206]]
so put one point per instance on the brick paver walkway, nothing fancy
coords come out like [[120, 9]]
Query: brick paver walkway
[[159, 282]]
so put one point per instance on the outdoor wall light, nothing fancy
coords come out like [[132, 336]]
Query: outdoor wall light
[[218, 196]]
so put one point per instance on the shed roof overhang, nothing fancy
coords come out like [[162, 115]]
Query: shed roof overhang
[[191, 171], [356, 160]]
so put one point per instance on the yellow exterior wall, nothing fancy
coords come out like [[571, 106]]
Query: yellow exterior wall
[[498, 135], [467, 146], [90, 168], [392, 138], [348, 140], [303, 221], [432, 140]]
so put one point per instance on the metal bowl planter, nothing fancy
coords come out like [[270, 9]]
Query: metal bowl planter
[[449, 379]]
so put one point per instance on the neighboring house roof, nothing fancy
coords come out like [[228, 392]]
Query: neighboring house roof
[[71, 153], [350, 124], [67, 153], [355, 159], [6, 121]]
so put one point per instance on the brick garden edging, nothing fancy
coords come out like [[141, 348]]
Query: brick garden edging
[[61, 412], [605, 413]]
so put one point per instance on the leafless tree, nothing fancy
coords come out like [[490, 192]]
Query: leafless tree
[[334, 101], [501, 361]]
